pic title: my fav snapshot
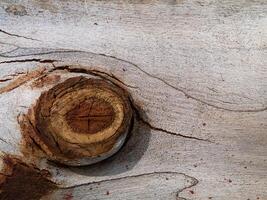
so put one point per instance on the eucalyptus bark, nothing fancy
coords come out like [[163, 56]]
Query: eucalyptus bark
[[196, 72]]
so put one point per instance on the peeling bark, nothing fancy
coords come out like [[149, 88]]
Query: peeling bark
[[22, 80]]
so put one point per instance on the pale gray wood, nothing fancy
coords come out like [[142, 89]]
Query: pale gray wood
[[197, 69]]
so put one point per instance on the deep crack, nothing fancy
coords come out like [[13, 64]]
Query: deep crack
[[140, 118], [4, 80], [173, 133], [93, 72], [29, 60]]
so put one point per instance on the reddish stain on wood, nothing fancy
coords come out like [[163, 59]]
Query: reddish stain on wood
[[19, 180], [68, 196], [46, 80]]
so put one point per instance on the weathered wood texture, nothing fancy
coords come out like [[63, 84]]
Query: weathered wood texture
[[197, 70]]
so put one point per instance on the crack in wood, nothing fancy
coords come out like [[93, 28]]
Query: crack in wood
[[29, 60], [105, 75], [190, 182], [3, 140], [183, 91], [93, 72], [96, 73], [157, 78], [19, 36], [64, 191], [140, 118], [174, 133], [5, 80], [195, 181], [40, 54]]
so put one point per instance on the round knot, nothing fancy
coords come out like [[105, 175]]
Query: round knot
[[82, 121]]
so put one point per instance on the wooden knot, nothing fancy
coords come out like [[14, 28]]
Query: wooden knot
[[82, 121]]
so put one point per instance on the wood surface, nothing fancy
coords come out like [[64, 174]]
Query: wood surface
[[197, 71]]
